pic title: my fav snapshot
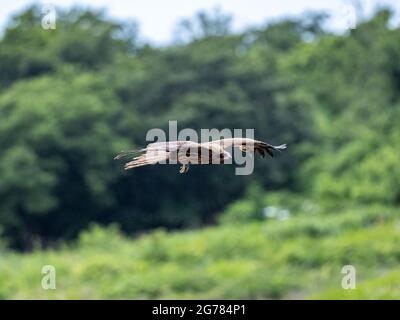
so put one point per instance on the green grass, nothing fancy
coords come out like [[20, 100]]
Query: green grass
[[301, 257], [386, 286]]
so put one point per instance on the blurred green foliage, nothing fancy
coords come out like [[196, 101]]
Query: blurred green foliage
[[296, 258], [72, 97]]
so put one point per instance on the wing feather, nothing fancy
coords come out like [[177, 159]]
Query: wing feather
[[250, 145], [147, 159]]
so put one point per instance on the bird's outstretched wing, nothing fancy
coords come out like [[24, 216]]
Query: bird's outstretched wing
[[169, 146], [150, 157], [160, 151], [250, 145]]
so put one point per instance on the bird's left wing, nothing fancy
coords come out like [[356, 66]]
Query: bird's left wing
[[249, 145]]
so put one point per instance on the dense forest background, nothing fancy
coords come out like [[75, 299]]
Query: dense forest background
[[71, 98]]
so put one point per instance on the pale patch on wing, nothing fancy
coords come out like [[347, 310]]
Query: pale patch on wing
[[150, 157]]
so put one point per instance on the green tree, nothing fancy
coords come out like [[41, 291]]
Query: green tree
[[57, 149]]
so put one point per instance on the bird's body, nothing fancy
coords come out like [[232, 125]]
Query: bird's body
[[188, 152]]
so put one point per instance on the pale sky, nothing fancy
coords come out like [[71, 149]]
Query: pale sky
[[157, 18]]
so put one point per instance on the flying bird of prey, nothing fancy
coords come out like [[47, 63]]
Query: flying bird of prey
[[188, 152]]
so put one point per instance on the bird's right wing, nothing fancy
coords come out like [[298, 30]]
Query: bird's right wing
[[150, 157], [160, 151], [169, 146]]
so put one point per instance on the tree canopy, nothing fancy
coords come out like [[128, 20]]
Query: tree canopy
[[72, 97]]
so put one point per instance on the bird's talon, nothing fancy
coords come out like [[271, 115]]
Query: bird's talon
[[184, 168]]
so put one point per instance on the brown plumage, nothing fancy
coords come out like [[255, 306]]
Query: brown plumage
[[187, 152]]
